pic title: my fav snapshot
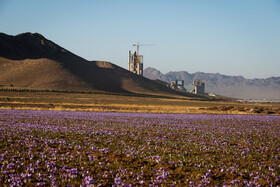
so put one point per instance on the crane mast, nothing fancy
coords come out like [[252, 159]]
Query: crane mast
[[137, 45]]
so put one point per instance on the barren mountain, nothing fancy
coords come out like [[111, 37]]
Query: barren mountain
[[231, 86], [32, 61]]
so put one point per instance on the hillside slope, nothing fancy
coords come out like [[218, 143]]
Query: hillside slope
[[32, 61], [231, 86]]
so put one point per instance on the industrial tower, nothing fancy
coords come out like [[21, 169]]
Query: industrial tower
[[135, 61]]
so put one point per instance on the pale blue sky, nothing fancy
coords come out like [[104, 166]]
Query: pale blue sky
[[232, 37]]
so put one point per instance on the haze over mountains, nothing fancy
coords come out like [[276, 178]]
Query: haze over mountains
[[231, 86], [31, 61]]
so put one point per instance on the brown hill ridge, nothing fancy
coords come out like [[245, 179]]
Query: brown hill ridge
[[31, 61]]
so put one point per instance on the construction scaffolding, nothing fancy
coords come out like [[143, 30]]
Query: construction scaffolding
[[135, 62]]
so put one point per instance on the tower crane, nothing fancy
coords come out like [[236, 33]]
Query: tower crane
[[138, 45], [135, 60]]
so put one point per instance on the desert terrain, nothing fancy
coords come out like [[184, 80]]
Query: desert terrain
[[106, 102], [30, 61], [36, 73]]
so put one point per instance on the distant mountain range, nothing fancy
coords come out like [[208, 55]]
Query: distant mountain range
[[231, 86]]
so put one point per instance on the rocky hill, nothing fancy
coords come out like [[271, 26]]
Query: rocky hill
[[29, 60], [231, 86]]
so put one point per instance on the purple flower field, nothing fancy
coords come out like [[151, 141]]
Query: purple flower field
[[55, 148]]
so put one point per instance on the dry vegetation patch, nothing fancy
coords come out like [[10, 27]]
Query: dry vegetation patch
[[248, 109], [123, 103]]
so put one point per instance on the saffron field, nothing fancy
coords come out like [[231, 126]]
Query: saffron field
[[56, 148]]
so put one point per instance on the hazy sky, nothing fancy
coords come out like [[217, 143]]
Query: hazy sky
[[232, 37]]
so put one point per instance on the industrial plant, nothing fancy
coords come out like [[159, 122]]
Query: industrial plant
[[135, 61], [196, 87], [135, 65], [177, 85]]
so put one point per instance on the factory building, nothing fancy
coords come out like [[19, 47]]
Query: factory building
[[135, 63], [177, 85], [135, 60], [197, 87]]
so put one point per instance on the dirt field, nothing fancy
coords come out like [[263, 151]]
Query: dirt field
[[120, 103]]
